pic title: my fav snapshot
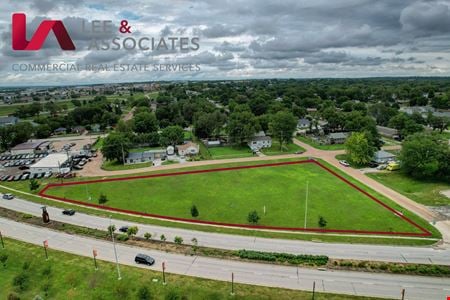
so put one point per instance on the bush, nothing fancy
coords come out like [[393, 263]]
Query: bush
[[178, 240], [26, 216], [316, 260], [3, 259], [194, 211], [132, 231], [322, 222], [163, 238], [123, 237], [34, 185], [102, 199], [144, 293], [21, 281], [253, 217], [147, 235]]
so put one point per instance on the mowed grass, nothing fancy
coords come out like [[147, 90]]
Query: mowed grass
[[285, 149], [226, 152], [67, 276], [229, 196], [315, 144], [422, 191]]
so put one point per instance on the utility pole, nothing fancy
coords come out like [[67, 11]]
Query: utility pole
[[115, 250], [306, 202], [232, 284]]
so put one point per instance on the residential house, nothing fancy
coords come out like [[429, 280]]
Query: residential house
[[188, 149], [260, 140], [145, 156], [303, 123], [383, 157], [60, 130], [79, 129], [5, 121], [337, 138]]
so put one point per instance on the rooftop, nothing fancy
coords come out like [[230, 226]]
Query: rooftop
[[338, 135], [54, 160], [29, 145], [187, 145]]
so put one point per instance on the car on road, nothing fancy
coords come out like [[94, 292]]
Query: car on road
[[123, 229], [8, 196], [144, 259], [68, 212], [344, 163]]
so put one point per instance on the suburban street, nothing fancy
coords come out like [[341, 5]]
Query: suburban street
[[354, 283], [424, 255]]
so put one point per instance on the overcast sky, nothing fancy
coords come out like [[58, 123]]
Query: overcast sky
[[243, 39]]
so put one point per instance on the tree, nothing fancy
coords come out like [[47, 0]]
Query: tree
[[322, 222], [405, 124], [145, 122], [282, 127], [102, 199], [111, 229], [116, 147], [178, 240], [253, 217], [162, 238], [147, 236], [132, 231], [208, 124], [43, 131], [358, 149], [172, 135], [34, 184], [242, 125], [438, 123], [194, 211], [426, 156]]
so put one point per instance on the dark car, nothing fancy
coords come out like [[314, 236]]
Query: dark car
[[123, 229], [68, 212], [373, 164], [144, 259]]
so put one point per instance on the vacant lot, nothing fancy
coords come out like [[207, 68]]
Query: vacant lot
[[421, 191], [228, 196], [230, 152]]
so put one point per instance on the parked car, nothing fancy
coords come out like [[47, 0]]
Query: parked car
[[48, 174], [373, 164], [68, 212], [344, 163], [25, 176], [123, 229], [8, 196], [393, 166], [144, 259], [381, 167]]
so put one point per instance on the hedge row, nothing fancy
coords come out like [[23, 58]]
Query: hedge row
[[302, 259]]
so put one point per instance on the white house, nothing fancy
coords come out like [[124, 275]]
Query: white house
[[259, 141], [145, 156], [188, 149]]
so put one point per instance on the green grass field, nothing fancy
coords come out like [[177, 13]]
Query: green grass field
[[421, 191], [114, 165], [319, 146], [286, 149], [230, 152], [229, 196], [27, 274]]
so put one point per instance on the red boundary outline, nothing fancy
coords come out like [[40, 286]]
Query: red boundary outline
[[424, 232]]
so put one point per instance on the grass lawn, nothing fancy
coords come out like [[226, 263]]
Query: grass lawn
[[314, 144], [169, 162], [230, 152], [421, 191], [142, 149], [286, 149], [67, 276], [115, 166], [230, 195]]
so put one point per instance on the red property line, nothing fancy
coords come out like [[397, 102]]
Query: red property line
[[424, 232]]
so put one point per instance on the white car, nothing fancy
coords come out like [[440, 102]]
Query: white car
[[344, 163], [8, 196]]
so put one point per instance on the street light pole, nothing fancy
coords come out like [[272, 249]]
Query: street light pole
[[306, 202], [115, 250]]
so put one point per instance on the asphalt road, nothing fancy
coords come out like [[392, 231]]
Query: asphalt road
[[426, 255], [354, 283]]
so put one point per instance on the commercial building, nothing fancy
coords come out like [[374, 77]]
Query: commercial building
[[32, 147], [145, 156], [51, 163]]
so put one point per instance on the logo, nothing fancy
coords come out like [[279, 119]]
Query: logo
[[19, 38]]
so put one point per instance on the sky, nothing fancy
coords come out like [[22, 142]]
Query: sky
[[239, 39]]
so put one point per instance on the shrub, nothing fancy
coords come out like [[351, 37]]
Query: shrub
[[163, 237], [3, 259], [34, 185], [322, 222], [317, 260], [194, 211], [144, 293], [178, 240], [26, 216], [21, 281], [123, 237], [253, 217], [132, 231], [102, 199], [147, 235]]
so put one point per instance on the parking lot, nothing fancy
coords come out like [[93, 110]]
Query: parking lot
[[16, 167]]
